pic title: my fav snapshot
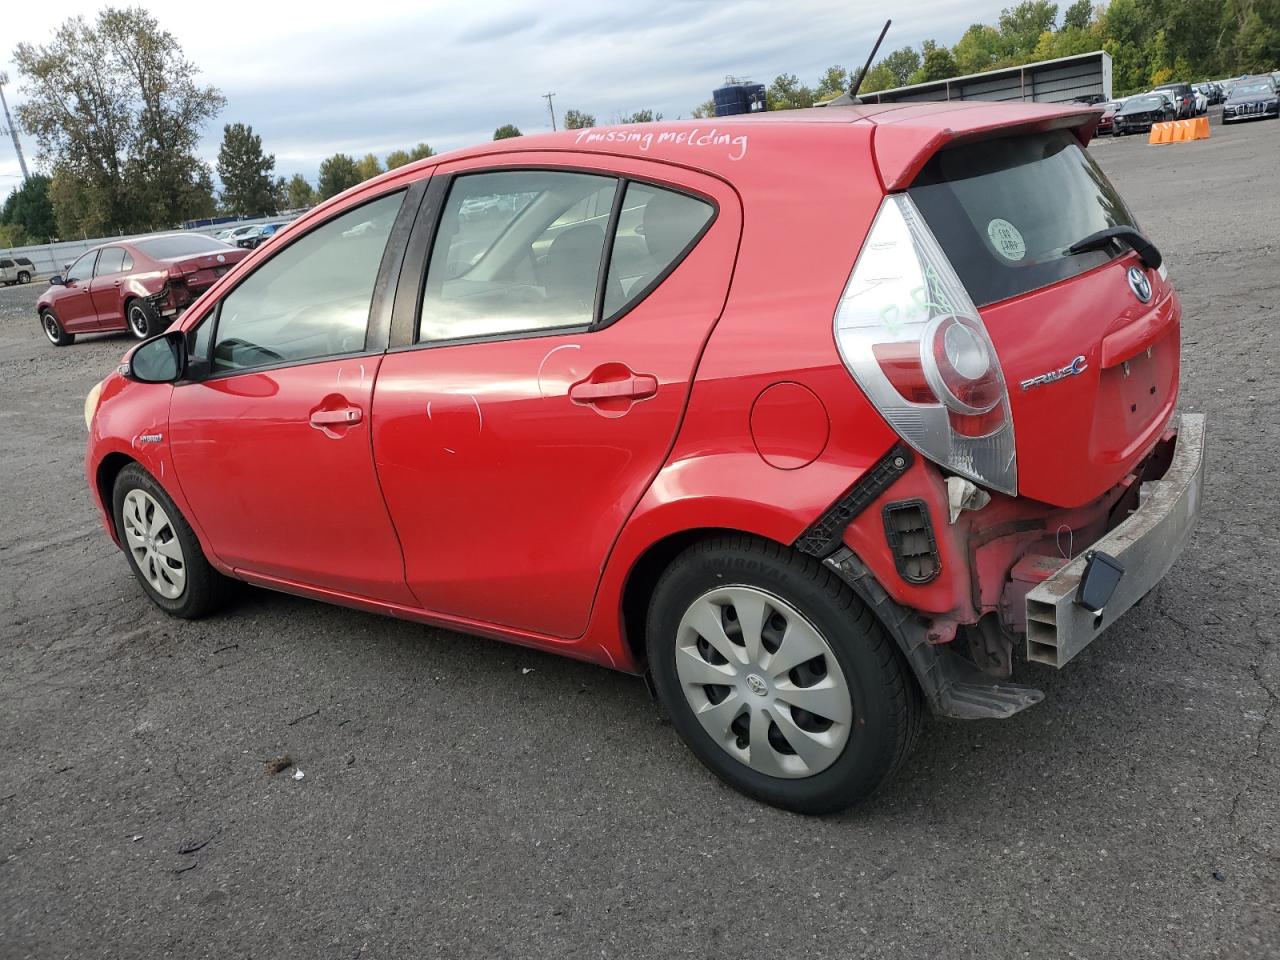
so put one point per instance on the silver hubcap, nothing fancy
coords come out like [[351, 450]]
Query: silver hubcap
[[154, 544], [138, 320], [51, 328], [763, 682]]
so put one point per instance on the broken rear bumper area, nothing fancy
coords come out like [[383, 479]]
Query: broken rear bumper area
[[1016, 560], [1144, 546]]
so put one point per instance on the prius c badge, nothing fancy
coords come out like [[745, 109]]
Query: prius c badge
[[1076, 367]]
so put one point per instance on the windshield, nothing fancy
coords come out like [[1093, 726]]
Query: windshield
[[1144, 103], [166, 248], [1006, 210], [1252, 90]]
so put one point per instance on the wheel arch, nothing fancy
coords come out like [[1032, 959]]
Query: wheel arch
[[643, 576], [108, 469]]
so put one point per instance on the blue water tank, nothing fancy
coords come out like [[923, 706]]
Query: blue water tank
[[741, 96]]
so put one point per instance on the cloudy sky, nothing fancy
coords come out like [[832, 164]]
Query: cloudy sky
[[317, 78]]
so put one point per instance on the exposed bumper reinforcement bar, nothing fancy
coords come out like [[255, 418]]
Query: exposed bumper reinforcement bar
[[1147, 543]]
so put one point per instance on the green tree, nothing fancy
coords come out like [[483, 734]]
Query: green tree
[[1078, 16], [640, 116], [337, 173], [938, 64], [704, 110], [980, 48], [81, 208], [12, 235], [788, 93], [506, 131], [833, 82], [246, 173], [1021, 26], [879, 77], [115, 105], [578, 120], [902, 64], [398, 158], [299, 193], [30, 210], [368, 166]]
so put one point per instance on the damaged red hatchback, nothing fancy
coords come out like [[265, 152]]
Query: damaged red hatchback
[[815, 419], [137, 285]]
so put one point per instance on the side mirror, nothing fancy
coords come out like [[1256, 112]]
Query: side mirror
[[162, 359], [56, 281]]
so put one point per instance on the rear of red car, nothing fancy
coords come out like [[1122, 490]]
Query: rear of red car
[[1001, 320], [186, 265]]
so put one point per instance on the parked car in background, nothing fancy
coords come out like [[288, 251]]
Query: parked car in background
[[138, 285], [256, 236], [1107, 125], [576, 423], [1140, 112], [1254, 98], [235, 233], [1089, 98], [16, 270], [1183, 97]]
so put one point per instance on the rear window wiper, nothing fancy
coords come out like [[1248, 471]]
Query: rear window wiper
[[1130, 237]]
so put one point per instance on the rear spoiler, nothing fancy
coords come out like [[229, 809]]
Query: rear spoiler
[[903, 141]]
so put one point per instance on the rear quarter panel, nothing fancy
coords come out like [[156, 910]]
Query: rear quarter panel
[[808, 203]]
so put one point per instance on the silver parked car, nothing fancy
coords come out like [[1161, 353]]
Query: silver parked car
[[16, 270]]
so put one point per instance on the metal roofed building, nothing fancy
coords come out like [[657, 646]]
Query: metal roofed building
[[1047, 81]]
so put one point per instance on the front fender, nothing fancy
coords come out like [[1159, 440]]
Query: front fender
[[132, 422]]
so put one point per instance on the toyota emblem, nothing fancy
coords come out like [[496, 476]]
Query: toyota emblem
[[1139, 284]]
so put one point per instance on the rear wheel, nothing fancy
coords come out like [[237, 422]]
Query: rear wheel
[[53, 329], [24, 277], [162, 549], [144, 319], [777, 676]]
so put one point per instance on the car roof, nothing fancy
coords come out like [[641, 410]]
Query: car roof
[[715, 147]]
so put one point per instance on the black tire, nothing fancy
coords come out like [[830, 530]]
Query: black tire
[[205, 590], [887, 711], [144, 319], [53, 329], [24, 277]]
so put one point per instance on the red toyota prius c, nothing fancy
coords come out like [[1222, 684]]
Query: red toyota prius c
[[814, 419]]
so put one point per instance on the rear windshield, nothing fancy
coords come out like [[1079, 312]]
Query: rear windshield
[[163, 248], [1006, 210]]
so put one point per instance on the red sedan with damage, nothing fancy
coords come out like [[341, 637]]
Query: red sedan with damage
[[814, 453], [138, 285]]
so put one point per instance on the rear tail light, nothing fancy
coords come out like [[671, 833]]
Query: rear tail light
[[912, 338]]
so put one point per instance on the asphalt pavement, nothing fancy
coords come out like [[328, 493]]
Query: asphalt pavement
[[455, 797]]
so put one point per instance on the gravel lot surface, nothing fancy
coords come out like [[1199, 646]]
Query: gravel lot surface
[[463, 798]]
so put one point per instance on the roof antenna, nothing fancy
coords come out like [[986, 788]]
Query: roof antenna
[[853, 91]]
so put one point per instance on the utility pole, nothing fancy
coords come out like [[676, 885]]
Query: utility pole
[[13, 131], [552, 108]]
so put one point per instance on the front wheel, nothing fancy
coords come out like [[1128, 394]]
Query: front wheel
[[162, 549], [24, 277], [778, 677]]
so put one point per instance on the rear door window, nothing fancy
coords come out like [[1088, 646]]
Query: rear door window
[[1005, 211], [656, 229], [517, 251], [110, 260]]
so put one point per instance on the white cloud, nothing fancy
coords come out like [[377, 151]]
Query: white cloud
[[314, 79]]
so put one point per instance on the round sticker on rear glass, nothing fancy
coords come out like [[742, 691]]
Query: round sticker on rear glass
[[1006, 239]]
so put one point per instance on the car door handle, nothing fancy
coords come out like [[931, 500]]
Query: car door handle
[[343, 417], [636, 386]]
